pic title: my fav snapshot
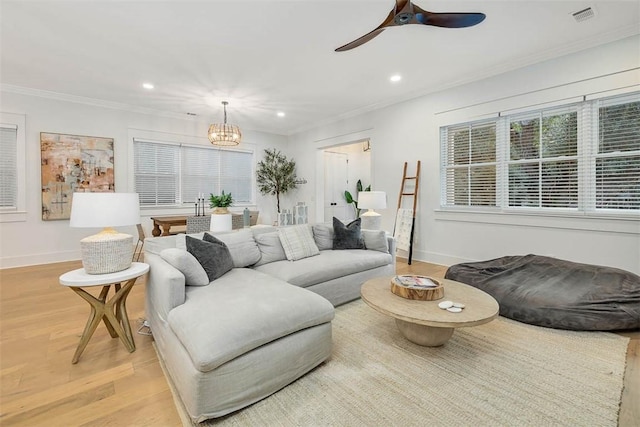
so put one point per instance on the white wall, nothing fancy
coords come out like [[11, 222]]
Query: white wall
[[409, 131], [35, 241]]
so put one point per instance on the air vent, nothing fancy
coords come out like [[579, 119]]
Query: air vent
[[584, 14]]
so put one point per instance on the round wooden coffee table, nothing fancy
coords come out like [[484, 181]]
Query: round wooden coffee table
[[423, 322]]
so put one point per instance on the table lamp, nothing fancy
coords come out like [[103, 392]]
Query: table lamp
[[108, 251], [371, 200]]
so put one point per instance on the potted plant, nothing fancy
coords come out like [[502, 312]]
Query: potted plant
[[349, 198], [276, 174], [220, 203]]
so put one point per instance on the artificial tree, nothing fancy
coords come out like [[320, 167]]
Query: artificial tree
[[276, 174]]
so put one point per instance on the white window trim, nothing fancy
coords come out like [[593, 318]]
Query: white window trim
[[585, 150], [180, 140], [19, 213]]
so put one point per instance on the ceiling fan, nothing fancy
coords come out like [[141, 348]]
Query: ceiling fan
[[406, 12]]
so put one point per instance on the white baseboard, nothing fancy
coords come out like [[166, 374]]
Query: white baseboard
[[35, 259], [433, 257]]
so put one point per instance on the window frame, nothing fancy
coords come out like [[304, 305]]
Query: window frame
[[587, 153], [17, 213], [182, 144]]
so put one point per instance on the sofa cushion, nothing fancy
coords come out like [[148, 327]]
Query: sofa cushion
[[187, 264], [328, 265], [241, 311], [347, 236], [297, 241], [375, 240], [323, 236], [213, 256], [270, 248], [242, 246]]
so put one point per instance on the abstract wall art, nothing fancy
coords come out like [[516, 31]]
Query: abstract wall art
[[72, 163]]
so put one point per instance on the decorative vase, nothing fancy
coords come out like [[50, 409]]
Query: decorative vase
[[221, 222], [220, 211], [300, 213]]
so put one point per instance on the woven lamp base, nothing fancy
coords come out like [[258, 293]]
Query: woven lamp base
[[106, 252]]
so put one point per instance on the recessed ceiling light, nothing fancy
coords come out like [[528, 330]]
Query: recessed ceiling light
[[147, 85], [395, 78], [281, 114]]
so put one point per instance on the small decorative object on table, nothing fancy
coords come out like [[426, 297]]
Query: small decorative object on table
[[417, 287]]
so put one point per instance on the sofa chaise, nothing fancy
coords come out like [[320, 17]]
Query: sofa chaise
[[229, 342]]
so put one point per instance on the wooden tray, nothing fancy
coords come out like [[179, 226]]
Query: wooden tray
[[417, 292]]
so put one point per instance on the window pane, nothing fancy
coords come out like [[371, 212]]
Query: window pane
[[483, 143], [236, 175], [483, 185], [8, 167], [524, 187], [459, 146], [201, 169], [156, 169], [619, 128], [560, 184], [524, 139], [560, 135], [618, 183], [458, 187]]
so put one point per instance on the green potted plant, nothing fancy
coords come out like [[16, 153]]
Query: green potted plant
[[220, 203], [276, 174], [349, 198]]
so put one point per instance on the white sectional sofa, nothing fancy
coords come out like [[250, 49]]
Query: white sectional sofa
[[230, 342]]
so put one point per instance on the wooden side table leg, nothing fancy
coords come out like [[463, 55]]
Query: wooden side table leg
[[121, 322], [97, 313], [103, 298]]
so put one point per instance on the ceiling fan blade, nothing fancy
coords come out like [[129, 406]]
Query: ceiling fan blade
[[362, 40], [388, 22], [448, 20]]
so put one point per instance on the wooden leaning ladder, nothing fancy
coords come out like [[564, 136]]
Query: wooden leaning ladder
[[414, 194]]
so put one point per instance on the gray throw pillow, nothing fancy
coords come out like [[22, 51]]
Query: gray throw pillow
[[270, 248], [214, 257], [376, 240], [242, 246], [347, 236], [187, 264], [323, 235]]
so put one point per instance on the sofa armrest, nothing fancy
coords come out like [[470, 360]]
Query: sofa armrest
[[165, 286], [392, 249]]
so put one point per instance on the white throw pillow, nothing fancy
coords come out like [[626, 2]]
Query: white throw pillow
[[187, 264], [297, 241], [323, 236]]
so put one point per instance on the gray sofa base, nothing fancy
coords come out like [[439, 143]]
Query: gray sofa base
[[266, 369], [344, 289]]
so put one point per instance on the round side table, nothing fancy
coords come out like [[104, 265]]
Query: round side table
[[113, 312]]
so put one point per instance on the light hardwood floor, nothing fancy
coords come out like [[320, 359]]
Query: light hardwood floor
[[41, 323]]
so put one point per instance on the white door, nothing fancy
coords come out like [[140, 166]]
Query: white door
[[335, 183]]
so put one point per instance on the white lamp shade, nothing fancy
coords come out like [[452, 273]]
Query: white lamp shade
[[372, 200], [92, 210]]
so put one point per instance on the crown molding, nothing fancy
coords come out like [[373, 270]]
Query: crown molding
[[517, 63], [20, 90]]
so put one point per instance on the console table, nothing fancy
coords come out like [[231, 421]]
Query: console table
[[166, 222]]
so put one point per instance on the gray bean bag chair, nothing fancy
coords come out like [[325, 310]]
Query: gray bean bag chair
[[555, 293]]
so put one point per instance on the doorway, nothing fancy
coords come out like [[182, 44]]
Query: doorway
[[344, 165]]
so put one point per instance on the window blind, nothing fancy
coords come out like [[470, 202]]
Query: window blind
[[174, 175], [8, 166], [582, 157], [470, 164], [156, 173], [543, 159], [617, 162]]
